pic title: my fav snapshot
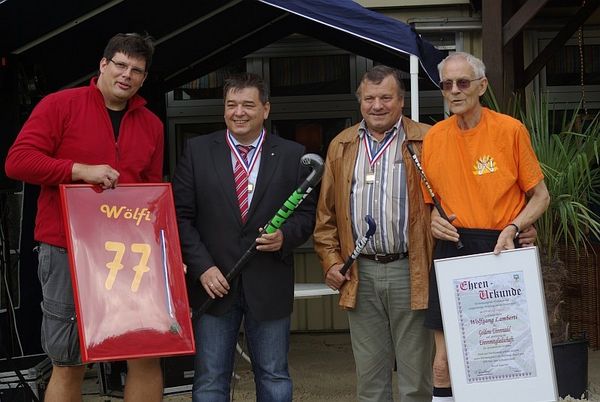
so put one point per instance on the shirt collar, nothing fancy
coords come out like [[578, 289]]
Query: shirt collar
[[254, 144], [363, 129]]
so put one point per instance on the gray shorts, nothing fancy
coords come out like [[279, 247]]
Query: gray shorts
[[60, 339]]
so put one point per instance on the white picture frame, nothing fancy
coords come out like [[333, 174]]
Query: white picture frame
[[496, 327]]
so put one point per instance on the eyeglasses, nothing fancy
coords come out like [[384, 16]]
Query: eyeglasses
[[120, 66], [461, 83]]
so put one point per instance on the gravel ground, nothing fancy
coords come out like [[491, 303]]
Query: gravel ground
[[322, 369]]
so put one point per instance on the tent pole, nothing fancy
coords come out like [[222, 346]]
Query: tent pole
[[414, 87]]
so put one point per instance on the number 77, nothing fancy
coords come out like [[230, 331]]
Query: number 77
[[115, 265]]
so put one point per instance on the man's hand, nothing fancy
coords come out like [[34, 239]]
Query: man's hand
[[506, 239], [442, 229], [270, 242], [334, 279], [103, 175], [214, 282], [527, 236]]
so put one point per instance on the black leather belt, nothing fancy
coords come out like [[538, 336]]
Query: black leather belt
[[385, 258]]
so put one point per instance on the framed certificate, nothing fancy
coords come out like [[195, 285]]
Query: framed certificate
[[495, 326], [127, 272]]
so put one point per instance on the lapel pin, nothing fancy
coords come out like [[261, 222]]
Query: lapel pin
[[272, 153]]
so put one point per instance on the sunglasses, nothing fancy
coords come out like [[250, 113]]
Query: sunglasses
[[461, 83]]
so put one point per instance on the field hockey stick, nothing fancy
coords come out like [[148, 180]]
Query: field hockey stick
[[360, 244], [313, 161], [436, 202]]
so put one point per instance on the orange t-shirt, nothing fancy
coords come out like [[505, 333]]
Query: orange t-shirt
[[480, 175]]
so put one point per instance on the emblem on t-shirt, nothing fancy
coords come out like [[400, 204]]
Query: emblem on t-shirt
[[484, 165]]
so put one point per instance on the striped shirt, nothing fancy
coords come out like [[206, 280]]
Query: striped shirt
[[382, 196]]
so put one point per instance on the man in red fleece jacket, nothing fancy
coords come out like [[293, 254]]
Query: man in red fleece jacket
[[100, 134]]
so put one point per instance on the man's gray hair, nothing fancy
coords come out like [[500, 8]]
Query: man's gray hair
[[474, 62]]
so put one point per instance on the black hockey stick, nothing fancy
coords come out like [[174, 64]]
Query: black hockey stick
[[315, 162], [436, 202], [360, 244]]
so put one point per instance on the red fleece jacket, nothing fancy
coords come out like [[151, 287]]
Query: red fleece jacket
[[73, 126]]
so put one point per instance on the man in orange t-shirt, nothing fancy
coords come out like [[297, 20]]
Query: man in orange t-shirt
[[482, 166]]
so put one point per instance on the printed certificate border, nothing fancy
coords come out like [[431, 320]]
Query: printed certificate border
[[540, 388]]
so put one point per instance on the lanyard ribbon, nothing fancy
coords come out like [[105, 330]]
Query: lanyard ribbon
[[382, 148], [247, 165]]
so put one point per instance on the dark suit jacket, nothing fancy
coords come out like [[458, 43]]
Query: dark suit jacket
[[211, 229]]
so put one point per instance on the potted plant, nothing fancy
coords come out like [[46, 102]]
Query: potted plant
[[570, 160], [569, 153], [571, 165]]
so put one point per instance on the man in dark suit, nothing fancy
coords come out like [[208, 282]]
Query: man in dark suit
[[228, 185]]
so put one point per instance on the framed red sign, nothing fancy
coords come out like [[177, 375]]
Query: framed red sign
[[127, 271]]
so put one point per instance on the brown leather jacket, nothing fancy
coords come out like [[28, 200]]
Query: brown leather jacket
[[333, 237]]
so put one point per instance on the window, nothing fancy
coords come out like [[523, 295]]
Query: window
[[183, 132], [209, 86], [310, 75], [314, 134], [565, 67], [561, 78]]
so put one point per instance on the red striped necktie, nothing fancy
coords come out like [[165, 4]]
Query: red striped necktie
[[241, 180]]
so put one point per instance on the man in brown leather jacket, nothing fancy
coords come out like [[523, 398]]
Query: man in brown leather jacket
[[369, 171]]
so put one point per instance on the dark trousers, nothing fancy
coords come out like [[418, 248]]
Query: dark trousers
[[475, 241]]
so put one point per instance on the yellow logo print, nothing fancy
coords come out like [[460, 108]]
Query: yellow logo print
[[484, 165]]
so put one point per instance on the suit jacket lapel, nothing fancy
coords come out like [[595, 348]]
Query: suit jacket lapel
[[221, 158], [268, 164]]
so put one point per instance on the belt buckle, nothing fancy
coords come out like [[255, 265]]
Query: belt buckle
[[379, 256]]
